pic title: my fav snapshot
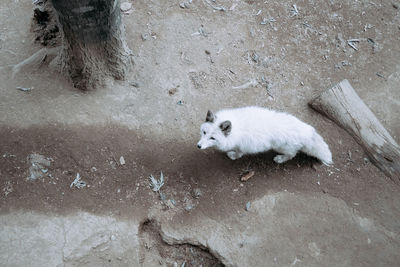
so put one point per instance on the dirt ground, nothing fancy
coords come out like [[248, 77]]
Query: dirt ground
[[189, 60]]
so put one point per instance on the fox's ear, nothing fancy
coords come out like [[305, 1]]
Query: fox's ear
[[210, 117], [226, 127]]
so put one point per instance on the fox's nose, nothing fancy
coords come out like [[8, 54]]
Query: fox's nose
[[199, 146]]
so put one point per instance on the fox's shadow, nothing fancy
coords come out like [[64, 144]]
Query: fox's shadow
[[212, 164]]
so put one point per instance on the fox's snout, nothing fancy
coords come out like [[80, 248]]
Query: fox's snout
[[201, 145]]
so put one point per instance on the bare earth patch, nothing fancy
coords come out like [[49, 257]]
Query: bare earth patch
[[191, 57]]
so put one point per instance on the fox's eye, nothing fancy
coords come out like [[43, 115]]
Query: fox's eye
[[212, 138], [204, 133]]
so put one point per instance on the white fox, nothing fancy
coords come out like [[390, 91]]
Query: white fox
[[251, 130]]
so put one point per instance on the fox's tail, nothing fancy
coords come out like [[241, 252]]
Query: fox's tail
[[319, 149]]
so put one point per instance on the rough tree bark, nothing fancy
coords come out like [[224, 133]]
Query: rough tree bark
[[342, 105], [94, 44]]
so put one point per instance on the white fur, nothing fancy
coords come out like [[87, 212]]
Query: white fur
[[256, 129]]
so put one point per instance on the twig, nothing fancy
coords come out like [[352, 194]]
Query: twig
[[11, 52], [112, 155], [24, 89], [294, 11], [247, 176], [311, 28], [252, 82], [351, 43], [77, 182], [229, 76], [269, 21], [380, 75], [267, 86], [35, 59], [156, 184], [219, 8], [200, 32]]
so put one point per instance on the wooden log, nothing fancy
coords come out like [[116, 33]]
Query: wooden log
[[94, 43], [342, 105]]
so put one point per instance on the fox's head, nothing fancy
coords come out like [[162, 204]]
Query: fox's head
[[213, 133]]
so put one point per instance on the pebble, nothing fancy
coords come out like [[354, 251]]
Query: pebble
[[248, 206], [126, 6], [196, 193]]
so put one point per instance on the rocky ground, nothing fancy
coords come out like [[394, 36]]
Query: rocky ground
[[190, 57]]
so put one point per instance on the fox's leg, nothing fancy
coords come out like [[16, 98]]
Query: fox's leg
[[287, 154], [283, 158], [234, 154]]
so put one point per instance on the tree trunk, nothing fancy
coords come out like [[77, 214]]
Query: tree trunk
[[94, 44], [342, 105]]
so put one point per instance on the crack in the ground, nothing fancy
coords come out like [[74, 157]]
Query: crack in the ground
[[180, 252]]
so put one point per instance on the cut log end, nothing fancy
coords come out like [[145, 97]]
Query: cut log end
[[342, 105]]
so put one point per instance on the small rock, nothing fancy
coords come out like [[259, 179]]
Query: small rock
[[38, 166], [188, 207], [134, 84], [248, 206], [8, 189], [196, 193], [113, 238], [122, 160], [246, 177], [145, 36], [188, 204], [126, 7], [39, 159], [325, 191], [172, 91]]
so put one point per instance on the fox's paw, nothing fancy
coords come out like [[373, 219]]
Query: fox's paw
[[281, 159], [234, 155]]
